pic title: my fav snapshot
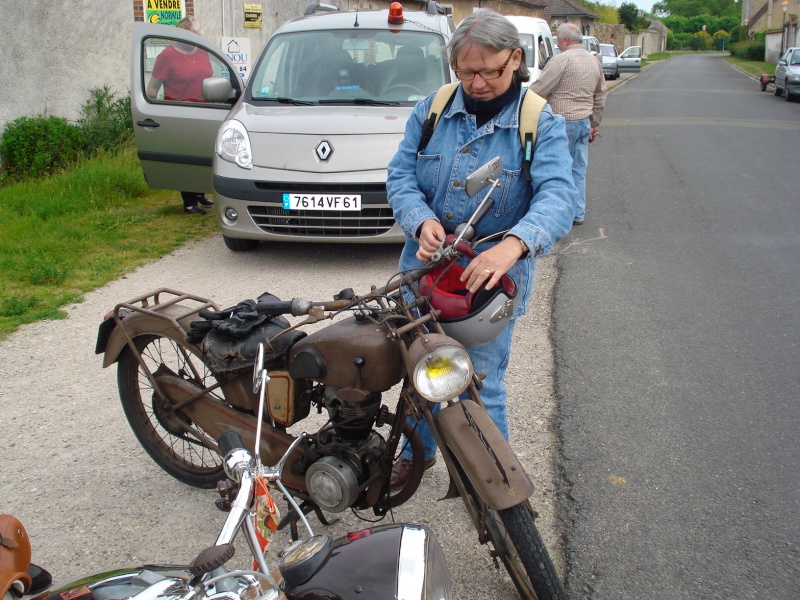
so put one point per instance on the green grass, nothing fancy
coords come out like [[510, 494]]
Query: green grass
[[753, 67], [68, 234]]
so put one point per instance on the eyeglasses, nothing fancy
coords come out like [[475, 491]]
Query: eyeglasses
[[485, 75]]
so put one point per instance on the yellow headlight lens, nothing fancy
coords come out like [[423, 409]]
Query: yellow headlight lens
[[443, 373]]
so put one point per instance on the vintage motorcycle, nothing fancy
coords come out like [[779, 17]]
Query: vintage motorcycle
[[385, 562], [183, 368]]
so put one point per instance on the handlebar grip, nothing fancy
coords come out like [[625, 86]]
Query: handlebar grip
[[281, 307], [230, 440]]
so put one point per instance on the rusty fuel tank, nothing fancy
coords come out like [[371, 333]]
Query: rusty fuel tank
[[349, 353]]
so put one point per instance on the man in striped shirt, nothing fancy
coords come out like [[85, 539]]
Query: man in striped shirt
[[574, 86]]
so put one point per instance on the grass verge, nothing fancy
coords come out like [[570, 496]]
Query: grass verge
[[68, 234]]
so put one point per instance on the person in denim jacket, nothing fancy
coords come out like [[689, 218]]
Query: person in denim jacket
[[426, 191]]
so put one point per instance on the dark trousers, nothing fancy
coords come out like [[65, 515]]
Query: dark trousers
[[190, 198]]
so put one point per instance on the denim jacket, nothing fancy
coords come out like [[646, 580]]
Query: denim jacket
[[431, 185]]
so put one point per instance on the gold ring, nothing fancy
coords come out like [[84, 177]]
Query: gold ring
[[488, 271]]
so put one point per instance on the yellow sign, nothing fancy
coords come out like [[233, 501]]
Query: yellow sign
[[164, 12], [252, 15]]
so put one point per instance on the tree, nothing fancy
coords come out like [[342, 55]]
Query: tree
[[629, 16], [608, 14], [694, 8]]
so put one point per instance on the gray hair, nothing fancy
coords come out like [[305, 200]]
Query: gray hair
[[569, 32], [491, 30], [190, 23]]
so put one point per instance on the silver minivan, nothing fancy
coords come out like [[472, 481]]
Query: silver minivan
[[299, 152]]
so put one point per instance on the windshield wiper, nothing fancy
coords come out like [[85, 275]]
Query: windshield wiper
[[286, 101], [366, 101]]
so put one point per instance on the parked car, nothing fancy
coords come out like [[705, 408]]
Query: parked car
[[537, 40], [609, 55], [630, 61], [591, 44], [298, 152], [787, 74]]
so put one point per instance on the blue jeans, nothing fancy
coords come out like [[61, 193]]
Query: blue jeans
[[492, 359], [578, 138]]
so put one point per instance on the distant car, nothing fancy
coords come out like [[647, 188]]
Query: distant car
[[630, 61], [536, 39], [609, 54], [787, 74], [591, 44]]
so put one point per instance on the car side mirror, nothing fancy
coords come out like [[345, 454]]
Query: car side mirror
[[218, 89]]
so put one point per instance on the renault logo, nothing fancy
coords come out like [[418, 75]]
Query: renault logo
[[324, 150]]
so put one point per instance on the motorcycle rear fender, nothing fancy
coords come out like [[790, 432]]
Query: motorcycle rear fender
[[111, 339], [484, 454]]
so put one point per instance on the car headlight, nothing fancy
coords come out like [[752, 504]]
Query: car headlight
[[233, 144], [440, 367]]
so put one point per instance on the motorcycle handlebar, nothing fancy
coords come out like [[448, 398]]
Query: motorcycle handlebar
[[298, 307]]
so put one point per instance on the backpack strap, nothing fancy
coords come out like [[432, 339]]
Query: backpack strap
[[443, 99], [529, 112]]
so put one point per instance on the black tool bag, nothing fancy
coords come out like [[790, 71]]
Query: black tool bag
[[229, 338]]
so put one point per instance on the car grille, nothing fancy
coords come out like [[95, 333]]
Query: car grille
[[370, 221], [374, 218]]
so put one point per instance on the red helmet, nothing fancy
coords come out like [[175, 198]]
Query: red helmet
[[471, 318]]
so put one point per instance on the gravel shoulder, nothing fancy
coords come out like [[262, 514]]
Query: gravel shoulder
[[92, 500]]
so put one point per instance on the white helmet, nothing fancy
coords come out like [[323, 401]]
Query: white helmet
[[472, 319]]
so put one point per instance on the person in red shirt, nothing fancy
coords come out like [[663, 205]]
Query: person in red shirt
[[180, 69]]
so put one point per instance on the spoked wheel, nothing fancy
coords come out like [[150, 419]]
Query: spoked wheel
[[169, 437], [516, 541]]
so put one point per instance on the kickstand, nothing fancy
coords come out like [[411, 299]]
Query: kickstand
[[292, 518]]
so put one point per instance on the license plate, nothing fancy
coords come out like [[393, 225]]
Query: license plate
[[321, 202]]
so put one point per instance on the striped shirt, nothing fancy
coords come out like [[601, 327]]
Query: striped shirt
[[573, 84]]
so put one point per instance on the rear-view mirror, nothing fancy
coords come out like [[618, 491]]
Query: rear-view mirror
[[483, 177]]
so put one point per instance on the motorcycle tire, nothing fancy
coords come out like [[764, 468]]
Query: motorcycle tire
[[517, 542], [164, 434]]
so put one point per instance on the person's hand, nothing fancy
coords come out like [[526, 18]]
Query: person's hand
[[488, 267], [430, 238], [593, 134]]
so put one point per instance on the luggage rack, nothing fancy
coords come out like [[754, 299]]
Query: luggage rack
[[154, 305], [163, 304]]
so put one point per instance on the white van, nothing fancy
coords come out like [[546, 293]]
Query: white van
[[537, 40]]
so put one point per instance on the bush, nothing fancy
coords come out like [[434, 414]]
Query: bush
[[105, 122], [754, 50], [33, 147], [679, 41], [39, 146]]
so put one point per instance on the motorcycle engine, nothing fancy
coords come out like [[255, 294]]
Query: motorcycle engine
[[335, 479]]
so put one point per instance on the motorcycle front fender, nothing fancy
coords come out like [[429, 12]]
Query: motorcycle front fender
[[494, 471]]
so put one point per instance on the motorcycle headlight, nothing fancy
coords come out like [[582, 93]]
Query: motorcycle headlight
[[233, 144], [441, 368]]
